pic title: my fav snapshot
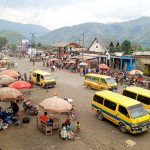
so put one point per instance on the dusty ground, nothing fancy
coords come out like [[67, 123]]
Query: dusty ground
[[94, 134]]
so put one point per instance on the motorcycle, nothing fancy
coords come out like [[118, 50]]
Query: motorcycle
[[30, 108]]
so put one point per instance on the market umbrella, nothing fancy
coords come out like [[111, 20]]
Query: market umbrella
[[53, 59], [5, 80], [55, 104], [8, 94], [83, 64], [10, 73], [20, 85], [103, 66], [135, 72]]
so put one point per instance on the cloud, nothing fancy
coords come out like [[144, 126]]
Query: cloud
[[58, 13]]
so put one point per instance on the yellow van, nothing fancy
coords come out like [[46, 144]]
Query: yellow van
[[127, 113], [96, 81], [43, 78], [140, 94]]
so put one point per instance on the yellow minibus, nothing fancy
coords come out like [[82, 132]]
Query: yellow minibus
[[127, 113], [138, 93], [96, 81], [43, 78]]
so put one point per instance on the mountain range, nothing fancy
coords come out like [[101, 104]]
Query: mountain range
[[137, 31]]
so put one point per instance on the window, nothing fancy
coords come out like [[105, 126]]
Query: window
[[110, 105], [129, 94], [143, 99], [96, 46], [42, 77], [88, 78], [102, 81], [95, 79], [98, 99], [96, 41], [123, 110]]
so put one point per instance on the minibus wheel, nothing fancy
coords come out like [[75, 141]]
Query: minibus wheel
[[100, 115], [88, 86], [43, 86], [122, 128]]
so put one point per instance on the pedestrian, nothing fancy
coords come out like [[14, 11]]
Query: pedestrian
[[16, 65], [77, 127], [25, 76], [33, 62], [19, 77]]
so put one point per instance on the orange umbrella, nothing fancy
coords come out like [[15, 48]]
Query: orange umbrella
[[103, 66], [55, 104], [7, 93], [5, 80], [10, 73], [20, 85]]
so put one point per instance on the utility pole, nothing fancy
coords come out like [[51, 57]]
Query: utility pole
[[33, 38], [82, 46]]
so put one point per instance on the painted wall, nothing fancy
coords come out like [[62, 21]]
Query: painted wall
[[96, 47]]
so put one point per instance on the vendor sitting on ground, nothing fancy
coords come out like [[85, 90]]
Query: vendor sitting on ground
[[14, 107]]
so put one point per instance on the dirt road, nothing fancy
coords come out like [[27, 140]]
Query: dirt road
[[94, 134]]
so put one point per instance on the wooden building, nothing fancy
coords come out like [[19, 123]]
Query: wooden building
[[65, 49]]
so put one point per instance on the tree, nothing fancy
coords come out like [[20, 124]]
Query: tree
[[3, 42], [13, 47], [126, 47]]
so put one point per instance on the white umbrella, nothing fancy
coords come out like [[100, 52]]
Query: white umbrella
[[55, 104], [83, 64]]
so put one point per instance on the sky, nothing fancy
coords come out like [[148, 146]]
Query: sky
[[54, 14]]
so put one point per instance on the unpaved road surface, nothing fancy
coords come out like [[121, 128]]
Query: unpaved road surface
[[95, 134]]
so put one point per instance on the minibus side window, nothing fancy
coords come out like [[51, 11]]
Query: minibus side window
[[143, 99], [102, 80], [88, 78], [98, 99], [110, 105], [123, 110], [95, 79], [129, 94], [42, 77]]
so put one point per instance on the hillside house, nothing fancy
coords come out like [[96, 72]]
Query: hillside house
[[102, 45]]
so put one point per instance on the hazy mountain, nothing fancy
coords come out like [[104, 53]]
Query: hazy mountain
[[24, 29], [137, 31], [13, 37]]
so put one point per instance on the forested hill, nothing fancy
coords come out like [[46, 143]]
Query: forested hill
[[137, 31]]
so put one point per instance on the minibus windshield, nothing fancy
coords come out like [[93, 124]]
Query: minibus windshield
[[48, 77], [137, 111], [110, 80]]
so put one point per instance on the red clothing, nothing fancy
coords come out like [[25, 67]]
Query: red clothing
[[44, 118]]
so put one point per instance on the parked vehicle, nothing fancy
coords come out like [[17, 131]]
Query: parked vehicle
[[125, 112], [96, 81], [30, 108], [44, 79], [138, 93]]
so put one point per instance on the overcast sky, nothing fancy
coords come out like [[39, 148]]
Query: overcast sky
[[58, 13]]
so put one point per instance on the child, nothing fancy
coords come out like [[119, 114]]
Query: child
[[78, 127]]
